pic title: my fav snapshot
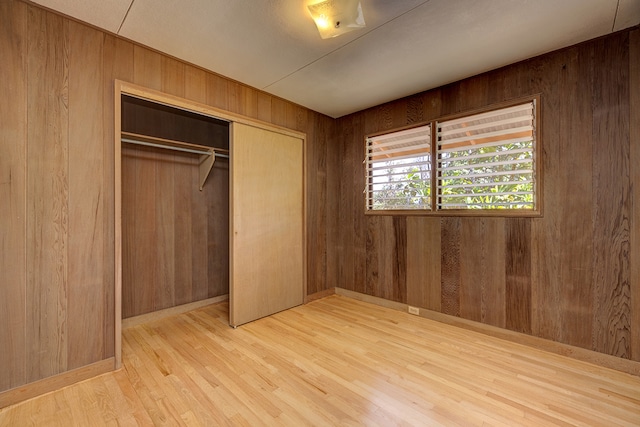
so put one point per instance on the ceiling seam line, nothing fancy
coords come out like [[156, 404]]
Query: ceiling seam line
[[345, 45], [124, 18], [615, 16]]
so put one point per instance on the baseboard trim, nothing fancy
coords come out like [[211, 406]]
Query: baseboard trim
[[171, 311], [584, 355], [319, 295], [56, 382]]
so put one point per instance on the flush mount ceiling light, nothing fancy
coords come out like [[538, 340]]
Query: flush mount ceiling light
[[335, 17]]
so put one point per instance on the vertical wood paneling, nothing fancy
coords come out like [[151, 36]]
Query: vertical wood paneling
[[264, 107], [200, 256], [316, 176], [146, 67], [182, 282], [195, 88], [235, 97], [13, 146], [48, 194], [86, 201], [423, 263], [173, 222], [195, 84], [350, 248], [217, 92], [481, 270], [634, 162], [356, 257], [217, 230], [296, 117], [473, 258], [386, 257], [399, 260], [451, 229], [142, 235], [565, 296], [611, 208], [518, 275], [334, 210], [493, 285], [278, 111], [248, 102], [416, 110]]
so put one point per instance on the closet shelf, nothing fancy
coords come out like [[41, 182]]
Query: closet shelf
[[207, 154]]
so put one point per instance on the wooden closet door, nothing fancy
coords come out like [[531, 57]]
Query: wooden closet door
[[267, 223]]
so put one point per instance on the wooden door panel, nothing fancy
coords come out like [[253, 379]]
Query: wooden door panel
[[267, 253]]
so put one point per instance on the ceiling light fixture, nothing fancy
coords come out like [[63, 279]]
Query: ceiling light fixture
[[336, 17]]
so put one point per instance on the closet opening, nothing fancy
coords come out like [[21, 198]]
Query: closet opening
[[175, 206]]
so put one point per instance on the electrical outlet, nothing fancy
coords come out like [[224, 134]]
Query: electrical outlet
[[414, 310]]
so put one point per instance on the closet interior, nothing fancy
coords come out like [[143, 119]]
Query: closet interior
[[175, 206]]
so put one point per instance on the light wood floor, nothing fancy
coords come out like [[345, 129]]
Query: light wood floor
[[335, 361]]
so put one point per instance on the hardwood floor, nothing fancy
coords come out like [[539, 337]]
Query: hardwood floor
[[334, 361]]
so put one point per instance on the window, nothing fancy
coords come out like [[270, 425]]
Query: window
[[483, 163], [399, 170], [486, 161]]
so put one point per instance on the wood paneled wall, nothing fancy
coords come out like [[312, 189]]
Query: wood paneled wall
[[175, 238], [57, 184], [570, 276]]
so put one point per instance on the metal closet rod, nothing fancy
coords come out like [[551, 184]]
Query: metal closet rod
[[171, 147]]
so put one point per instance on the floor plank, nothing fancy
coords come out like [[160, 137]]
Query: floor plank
[[334, 361]]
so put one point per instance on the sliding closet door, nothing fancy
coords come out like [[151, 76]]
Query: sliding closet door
[[267, 227]]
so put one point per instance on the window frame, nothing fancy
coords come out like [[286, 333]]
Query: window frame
[[370, 184], [537, 211]]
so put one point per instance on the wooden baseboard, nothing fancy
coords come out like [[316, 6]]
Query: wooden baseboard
[[319, 295], [589, 356], [56, 382], [171, 311]]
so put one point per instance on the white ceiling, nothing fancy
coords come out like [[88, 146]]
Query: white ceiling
[[407, 46]]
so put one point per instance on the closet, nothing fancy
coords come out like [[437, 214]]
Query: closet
[[175, 225], [210, 203]]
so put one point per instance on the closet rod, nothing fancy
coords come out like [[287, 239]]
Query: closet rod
[[169, 147]]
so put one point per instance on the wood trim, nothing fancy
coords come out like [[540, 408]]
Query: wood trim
[[198, 108], [305, 218], [319, 295], [487, 213], [118, 222], [40, 387], [171, 311], [600, 359], [634, 162]]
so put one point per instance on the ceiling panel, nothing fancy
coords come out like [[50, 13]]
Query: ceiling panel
[[105, 14], [408, 45], [438, 43], [254, 42], [628, 14]]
